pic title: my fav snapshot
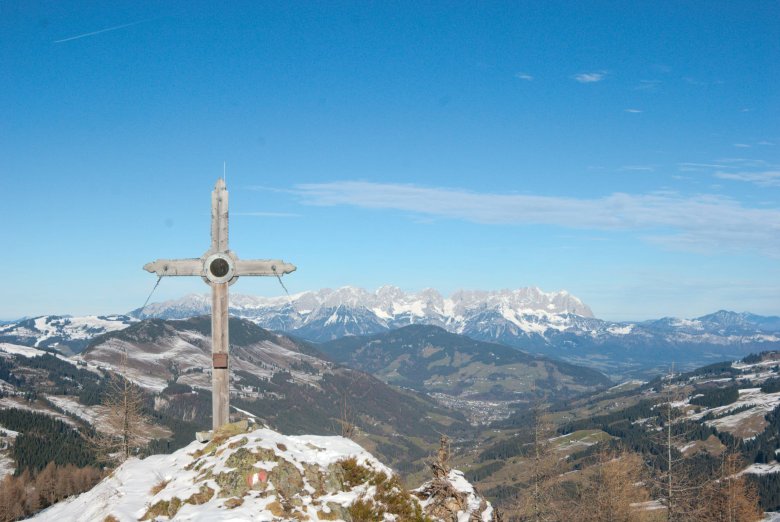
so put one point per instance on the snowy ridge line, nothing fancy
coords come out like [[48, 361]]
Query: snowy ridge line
[[26, 351], [388, 302], [64, 333], [328, 314], [555, 323]]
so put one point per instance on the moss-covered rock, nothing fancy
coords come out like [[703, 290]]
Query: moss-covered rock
[[204, 474], [275, 508], [286, 479], [165, 508], [238, 443], [323, 482], [222, 434], [201, 497], [266, 455], [242, 459], [335, 512], [231, 484], [236, 483], [233, 502]]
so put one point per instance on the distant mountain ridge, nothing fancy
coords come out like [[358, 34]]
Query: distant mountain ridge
[[556, 324], [430, 359], [329, 314], [66, 334]]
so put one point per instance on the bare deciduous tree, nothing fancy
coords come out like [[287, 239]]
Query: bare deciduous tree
[[348, 427], [730, 497], [121, 433], [677, 485], [541, 500], [25, 495], [612, 488]]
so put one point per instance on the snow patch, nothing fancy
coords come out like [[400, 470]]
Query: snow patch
[[620, 330], [762, 469]]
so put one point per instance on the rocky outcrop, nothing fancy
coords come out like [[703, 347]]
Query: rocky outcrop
[[449, 497], [258, 474]]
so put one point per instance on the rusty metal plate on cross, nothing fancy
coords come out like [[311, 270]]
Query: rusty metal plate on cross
[[219, 360]]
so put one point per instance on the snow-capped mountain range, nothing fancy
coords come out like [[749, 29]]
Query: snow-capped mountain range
[[556, 324], [329, 314]]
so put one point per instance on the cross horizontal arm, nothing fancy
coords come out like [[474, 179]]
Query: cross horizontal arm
[[175, 267], [263, 267]]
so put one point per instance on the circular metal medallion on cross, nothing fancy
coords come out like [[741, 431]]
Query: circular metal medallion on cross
[[219, 267]]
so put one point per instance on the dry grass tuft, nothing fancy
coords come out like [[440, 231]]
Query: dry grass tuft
[[159, 487]]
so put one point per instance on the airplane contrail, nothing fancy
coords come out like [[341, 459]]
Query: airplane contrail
[[100, 31]]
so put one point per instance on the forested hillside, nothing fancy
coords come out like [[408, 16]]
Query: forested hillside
[[690, 430]]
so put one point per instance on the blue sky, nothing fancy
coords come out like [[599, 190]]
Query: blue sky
[[628, 152]]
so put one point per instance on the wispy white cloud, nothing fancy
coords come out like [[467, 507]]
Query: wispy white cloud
[[590, 77], [267, 214], [524, 76], [694, 81], [750, 170], [647, 85], [703, 223], [742, 145], [744, 162], [633, 111], [266, 188], [692, 167], [93, 33], [637, 168], [767, 178], [702, 83]]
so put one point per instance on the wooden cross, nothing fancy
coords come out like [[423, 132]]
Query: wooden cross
[[219, 268]]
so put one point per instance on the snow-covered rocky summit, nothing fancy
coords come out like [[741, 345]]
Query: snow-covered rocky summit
[[259, 474]]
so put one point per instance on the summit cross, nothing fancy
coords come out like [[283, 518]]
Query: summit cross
[[219, 267]]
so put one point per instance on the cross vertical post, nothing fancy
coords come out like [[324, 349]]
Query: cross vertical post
[[220, 381], [220, 307], [219, 267]]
